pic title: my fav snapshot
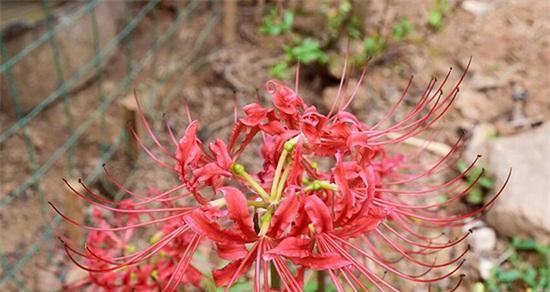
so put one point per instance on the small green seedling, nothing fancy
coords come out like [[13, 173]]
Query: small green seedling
[[436, 13], [484, 184], [533, 274], [273, 24]]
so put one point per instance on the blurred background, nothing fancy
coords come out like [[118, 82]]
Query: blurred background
[[69, 70]]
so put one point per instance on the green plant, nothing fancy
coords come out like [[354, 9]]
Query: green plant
[[477, 192], [305, 51], [273, 24], [402, 29], [341, 18], [521, 269], [436, 13], [374, 45]]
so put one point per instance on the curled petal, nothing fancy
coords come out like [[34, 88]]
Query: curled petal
[[255, 114], [200, 224], [231, 251], [238, 210], [291, 247], [284, 98], [223, 159], [319, 214], [285, 214]]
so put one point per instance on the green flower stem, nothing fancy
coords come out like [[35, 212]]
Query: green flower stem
[[265, 221], [287, 148], [317, 185], [281, 185], [239, 170]]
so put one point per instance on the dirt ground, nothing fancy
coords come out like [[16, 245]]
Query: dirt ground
[[509, 46]]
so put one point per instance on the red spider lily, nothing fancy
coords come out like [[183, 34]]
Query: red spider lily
[[293, 214]]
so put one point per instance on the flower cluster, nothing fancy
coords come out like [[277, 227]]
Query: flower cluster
[[332, 194]]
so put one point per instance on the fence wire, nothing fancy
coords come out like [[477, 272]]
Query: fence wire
[[121, 44]]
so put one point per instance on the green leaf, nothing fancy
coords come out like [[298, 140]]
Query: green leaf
[[280, 70], [374, 45], [524, 244], [434, 19], [402, 29], [486, 182], [509, 276], [272, 24], [306, 52], [461, 165], [475, 196]]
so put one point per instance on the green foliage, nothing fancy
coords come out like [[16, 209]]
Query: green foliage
[[374, 45], [280, 70], [436, 13], [341, 18], [311, 286], [306, 51], [519, 271], [340, 21], [272, 24], [402, 29], [476, 194]]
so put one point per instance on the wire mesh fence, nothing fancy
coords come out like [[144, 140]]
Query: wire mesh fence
[[81, 102]]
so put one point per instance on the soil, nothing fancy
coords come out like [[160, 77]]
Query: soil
[[509, 46]]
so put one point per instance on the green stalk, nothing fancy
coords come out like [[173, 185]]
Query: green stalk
[[239, 170]]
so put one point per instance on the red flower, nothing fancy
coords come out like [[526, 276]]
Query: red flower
[[329, 193]]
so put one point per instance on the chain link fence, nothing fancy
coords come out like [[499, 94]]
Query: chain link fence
[[63, 77]]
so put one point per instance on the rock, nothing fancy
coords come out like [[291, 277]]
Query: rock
[[485, 265], [482, 82], [473, 104], [522, 209], [477, 8], [483, 240], [76, 46], [477, 144]]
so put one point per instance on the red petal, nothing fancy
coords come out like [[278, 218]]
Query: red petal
[[223, 276], [231, 251], [238, 210], [322, 261], [223, 159], [285, 214], [345, 205], [200, 224], [290, 247], [187, 148], [319, 214]]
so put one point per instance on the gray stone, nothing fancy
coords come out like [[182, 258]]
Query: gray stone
[[477, 144], [483, 240], [522, 209], [474, 105], [485, 266], [477, 8]]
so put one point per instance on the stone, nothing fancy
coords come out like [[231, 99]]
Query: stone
[[473, 104], [522, 209], [477, 8], [477, 144], [485, 266], [483, 240]]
